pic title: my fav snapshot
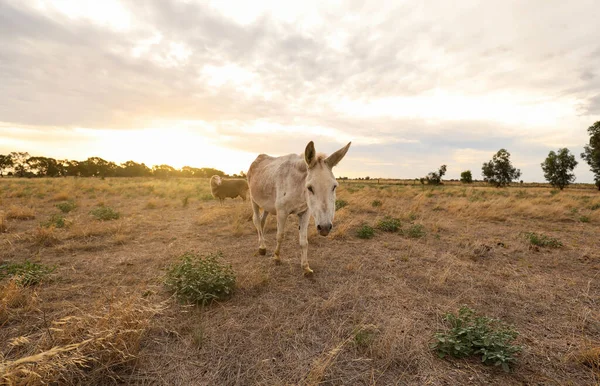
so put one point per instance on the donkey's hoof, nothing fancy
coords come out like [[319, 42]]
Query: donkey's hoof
[[262, 251], [308, 272]]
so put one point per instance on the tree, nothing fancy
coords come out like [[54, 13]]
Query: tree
[[591, 153], [466, 177], [6, 162], [558, 168], [19, 160], [163, 171], [499, 171], [435, 178]]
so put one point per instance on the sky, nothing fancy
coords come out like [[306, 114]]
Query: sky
[[413, 84]]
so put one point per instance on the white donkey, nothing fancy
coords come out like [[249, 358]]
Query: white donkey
[[294, 184]]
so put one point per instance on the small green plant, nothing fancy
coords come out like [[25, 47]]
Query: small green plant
[[376, 203], [584, 219], [201, 279], [66, 206], [416, 231], [56, 220], [26, 273], [105, 213], [365, 232], [595, 206], [554, 192], [339, 204], [543, 240], [477, 335], [364, 336], [185, 201], [389, 224], [412, 216]]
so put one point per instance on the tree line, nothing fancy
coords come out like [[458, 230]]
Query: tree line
[[21, 164], [557, 167]]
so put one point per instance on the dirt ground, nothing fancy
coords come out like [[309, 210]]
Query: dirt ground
[[281, 328]]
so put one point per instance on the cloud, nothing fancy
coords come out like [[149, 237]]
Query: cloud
[[412, 84]]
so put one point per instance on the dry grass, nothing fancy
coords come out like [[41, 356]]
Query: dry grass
[[81, 348], [14, 301], [20, 212], [367, 317]]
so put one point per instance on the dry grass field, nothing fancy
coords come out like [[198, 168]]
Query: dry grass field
[[368, 316]]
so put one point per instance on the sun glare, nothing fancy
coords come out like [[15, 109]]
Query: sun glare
[[174, 147]]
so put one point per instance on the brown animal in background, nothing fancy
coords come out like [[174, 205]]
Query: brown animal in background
[[222, 189]]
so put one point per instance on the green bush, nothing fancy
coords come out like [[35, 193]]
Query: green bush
[[27, 273], [201, 279], [584, 219], [376, 203], [339, 204], [56, 220], [477, 335], [104, 213], [389, 224], [595, 206], [66, 206], [543, 240], [365, 232], [416, 231]]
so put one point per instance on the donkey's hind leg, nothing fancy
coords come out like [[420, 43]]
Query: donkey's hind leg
[[259, 222]]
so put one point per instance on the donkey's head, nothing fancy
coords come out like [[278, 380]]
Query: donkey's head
[[320, 186]]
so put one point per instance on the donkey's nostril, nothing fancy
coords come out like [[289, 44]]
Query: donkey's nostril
[[318, 227], [330, 226]]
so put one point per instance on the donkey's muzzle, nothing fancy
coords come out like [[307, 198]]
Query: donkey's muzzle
[[324, 229]]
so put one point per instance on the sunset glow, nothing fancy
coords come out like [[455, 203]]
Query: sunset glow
[[213, 84]]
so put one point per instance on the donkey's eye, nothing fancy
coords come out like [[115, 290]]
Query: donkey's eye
[[334, 186], [310, 189]]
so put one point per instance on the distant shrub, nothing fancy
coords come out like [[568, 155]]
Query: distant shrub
[[365, 232], [105, 213], [595, 206], [376, 203], [56, 220], [389, 224], [416, 231], [66, 206], [584, 219], [480, 336], [201, 279], [339, 204], [26, 273], [543, 240], [466, 177]]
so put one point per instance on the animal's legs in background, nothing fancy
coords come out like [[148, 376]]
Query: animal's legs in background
[[281, 219], [258, 223], [303, 219]]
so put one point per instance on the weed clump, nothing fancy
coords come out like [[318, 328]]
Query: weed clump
[[389, 224], [543, 240], [376, 203], [477, 335], [416, 231], [105, 213], [66, 206], [201, 279], [365, 232], [339, 204], [56, 220], [27, 273]]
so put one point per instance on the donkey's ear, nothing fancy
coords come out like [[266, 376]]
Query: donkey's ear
[[310, 155], [336, 157]]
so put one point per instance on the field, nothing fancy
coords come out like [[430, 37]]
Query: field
[[368, 316]]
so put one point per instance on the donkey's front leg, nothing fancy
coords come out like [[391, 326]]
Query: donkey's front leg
[[303, 219], [281, 219]]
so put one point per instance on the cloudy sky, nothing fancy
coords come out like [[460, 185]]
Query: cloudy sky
[[413, 85]]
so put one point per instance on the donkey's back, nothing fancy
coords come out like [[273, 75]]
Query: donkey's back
[[277, 179]]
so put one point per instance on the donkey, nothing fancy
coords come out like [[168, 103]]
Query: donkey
[[294, 184]]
